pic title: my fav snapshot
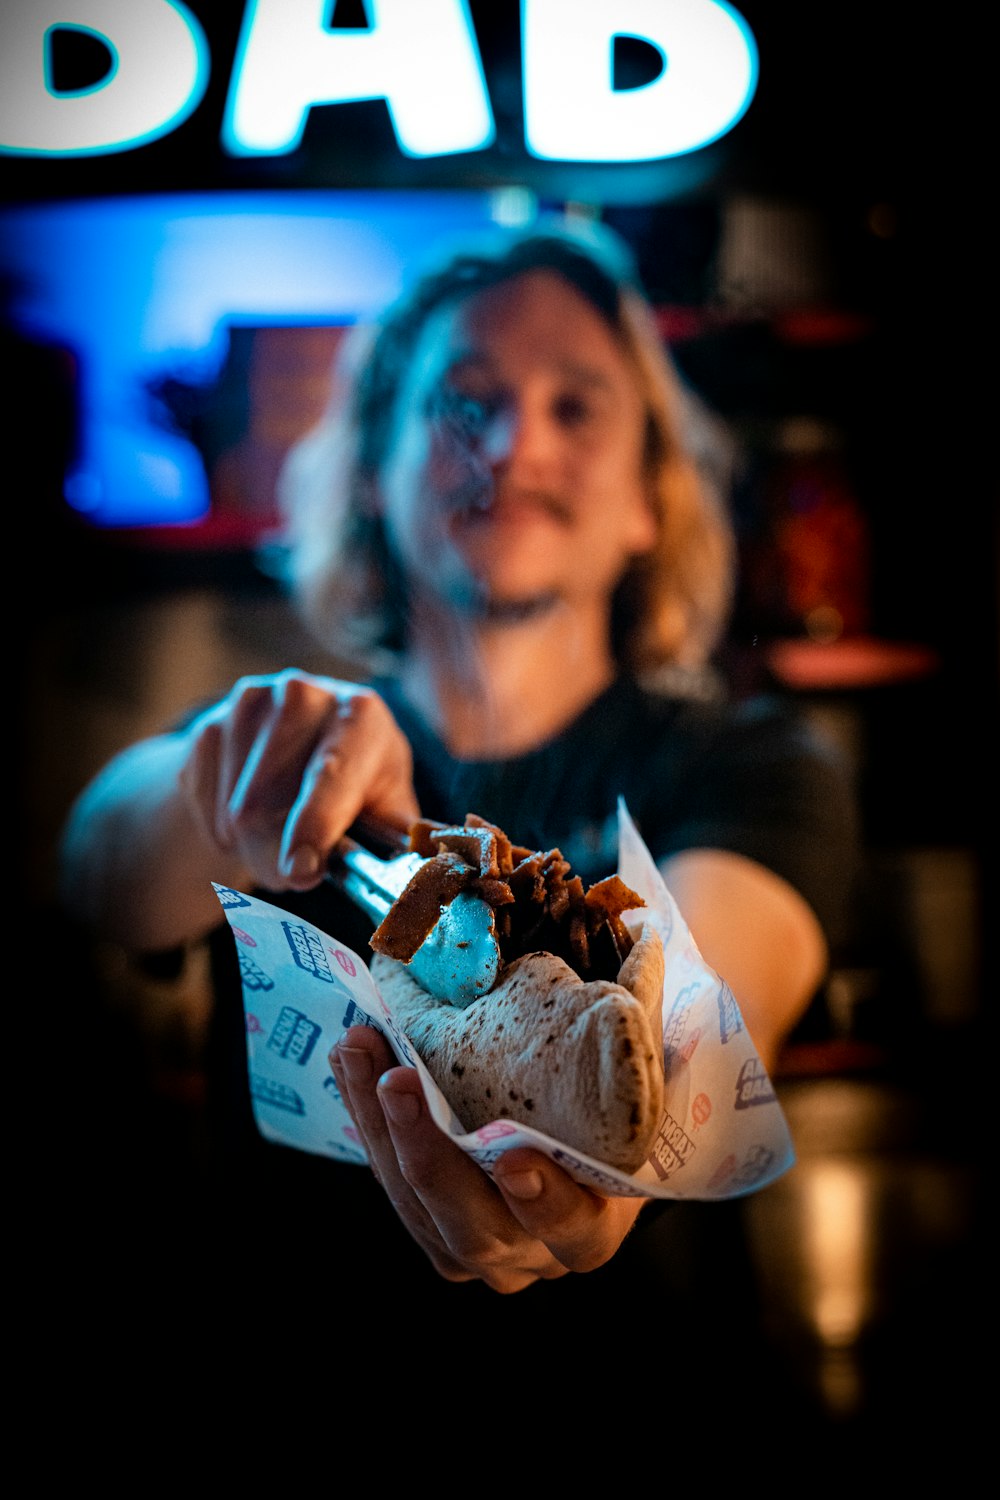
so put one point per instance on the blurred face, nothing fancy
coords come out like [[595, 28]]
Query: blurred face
[[515, 479]]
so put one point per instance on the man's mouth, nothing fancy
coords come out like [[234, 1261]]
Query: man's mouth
[[498, 506], [516, 611]]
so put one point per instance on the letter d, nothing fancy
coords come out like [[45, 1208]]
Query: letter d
[[158, 76], [573, 112]]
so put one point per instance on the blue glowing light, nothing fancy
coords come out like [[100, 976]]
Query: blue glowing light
[[151, 286]]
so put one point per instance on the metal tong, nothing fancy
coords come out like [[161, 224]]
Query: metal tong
[[459, 959]]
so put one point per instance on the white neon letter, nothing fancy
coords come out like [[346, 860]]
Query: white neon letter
[[159, 73], [422, 59], [572, 112]]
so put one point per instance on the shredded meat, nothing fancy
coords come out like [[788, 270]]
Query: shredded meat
[[539, 904], [413, 914]]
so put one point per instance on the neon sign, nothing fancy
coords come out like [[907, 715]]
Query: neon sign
[[420, 56]]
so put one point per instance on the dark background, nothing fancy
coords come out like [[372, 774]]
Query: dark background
[[866, 132]]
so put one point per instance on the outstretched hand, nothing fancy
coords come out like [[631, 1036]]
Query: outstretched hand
[[283, 765], [530, 1222]]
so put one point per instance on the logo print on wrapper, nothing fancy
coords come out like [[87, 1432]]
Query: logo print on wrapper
[[753, 1085], [487, 1159], [584, 1168], [251, 973], [672, 1149], [676, 1024], [756, 1164], [293, 1035], [355, 1016], [403, 1048], [730, 1020], [267, 1091], [723, 1173], [230, 898], [307, 951]]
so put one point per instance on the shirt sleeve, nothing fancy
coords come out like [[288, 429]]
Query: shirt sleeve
[[770, 787]]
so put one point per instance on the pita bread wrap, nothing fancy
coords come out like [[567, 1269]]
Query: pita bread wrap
[[581, 1061]]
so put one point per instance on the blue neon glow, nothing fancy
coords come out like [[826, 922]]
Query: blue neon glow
[[573, 112], [422, 60], [142, 287], [160, 75]]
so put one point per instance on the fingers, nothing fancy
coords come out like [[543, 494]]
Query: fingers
[[284, 765], [357, 1063], [225, 770], [582, 1230], [443, 1198], [532, 1223], [200, 778], [361, 763], [475, 1226]]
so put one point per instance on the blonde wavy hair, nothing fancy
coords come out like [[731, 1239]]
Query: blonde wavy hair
[[672, 604]]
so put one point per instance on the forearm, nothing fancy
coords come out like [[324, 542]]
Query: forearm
[[755, 931], [135, 866]]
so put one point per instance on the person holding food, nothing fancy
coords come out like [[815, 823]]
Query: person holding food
[[503, 523]]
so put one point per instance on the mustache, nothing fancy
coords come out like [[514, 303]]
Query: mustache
[[482, 494]]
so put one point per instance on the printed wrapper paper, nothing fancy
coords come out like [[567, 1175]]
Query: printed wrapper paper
[[723, 1132]]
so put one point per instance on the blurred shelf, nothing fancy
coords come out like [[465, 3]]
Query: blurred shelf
[[823, 1059], [851, 662]]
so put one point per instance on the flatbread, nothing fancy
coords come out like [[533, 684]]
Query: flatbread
[[581, 1061]]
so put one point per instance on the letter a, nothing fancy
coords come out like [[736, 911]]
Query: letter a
[[422, 59]]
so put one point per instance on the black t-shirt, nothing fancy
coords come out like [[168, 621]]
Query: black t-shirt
[[752, 777]]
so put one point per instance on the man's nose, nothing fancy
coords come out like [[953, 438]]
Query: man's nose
[[516, 437]]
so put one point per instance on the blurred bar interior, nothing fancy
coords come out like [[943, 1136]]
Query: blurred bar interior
[[171, 316]]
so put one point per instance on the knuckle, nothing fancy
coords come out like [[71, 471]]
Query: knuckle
[[415, 1174], [360, 706], [490, 1259], [293, 688], [205, 735], [448, 1270], [247, 704], [249, 689], [326, 766], [275, 693]]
